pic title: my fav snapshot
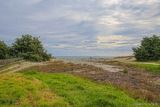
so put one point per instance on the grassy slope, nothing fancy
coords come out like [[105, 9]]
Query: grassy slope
[[84, 93], [16, 90], [34, 89], [151, 67]]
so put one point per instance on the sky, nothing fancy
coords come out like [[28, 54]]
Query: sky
[[81, 27]]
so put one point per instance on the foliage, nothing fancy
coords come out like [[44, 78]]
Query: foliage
[[149, 49], [29, 48], [3, 50]]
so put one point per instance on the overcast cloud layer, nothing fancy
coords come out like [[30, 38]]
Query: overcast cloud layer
[[81, 27]]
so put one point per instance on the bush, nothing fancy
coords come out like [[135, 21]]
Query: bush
[[149, 49], [29, 48], [4, 50], [32, 57]]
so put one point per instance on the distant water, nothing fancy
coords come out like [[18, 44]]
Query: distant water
[[82, 58]]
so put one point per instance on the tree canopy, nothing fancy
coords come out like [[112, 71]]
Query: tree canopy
[[149, 49], [26, 47], [29, 48], [3, 50]]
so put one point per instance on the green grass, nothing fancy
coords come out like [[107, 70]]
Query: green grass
[[150, 67], [16, 90], [80, 92], [37, 89]]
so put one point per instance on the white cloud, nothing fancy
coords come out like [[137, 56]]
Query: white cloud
[[106, 3], [65, 13], [110, 2], [148, 2], [111, 41], [108, 21], [65, 46], [112, 38], [79, 16]]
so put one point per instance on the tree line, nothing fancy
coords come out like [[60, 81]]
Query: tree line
[[26, 47], [31, 48]]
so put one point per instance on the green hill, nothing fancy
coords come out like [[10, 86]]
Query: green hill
[[36, 89]]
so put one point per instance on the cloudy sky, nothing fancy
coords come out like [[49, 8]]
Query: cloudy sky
[[81, 27]]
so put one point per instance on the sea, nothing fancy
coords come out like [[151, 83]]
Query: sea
[[83, 58]]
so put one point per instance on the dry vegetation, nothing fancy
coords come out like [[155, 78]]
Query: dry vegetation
[[8, 61], [60, 66], [136, 83]]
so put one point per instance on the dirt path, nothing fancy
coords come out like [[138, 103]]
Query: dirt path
[[109, 68], [19, 66]]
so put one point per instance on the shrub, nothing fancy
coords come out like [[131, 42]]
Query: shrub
[[149, 49], [4, 50], [29, 48]]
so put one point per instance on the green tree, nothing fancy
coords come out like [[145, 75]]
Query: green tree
[[3, 50], [29, 48], [149, 49]]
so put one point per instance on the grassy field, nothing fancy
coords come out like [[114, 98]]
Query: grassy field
[[35, 89], [150, 67], [17, 90]]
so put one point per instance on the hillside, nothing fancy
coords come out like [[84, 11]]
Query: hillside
[[60, 90], [56, 84]]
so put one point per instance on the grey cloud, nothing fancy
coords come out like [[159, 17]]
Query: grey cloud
[[72, 26]]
